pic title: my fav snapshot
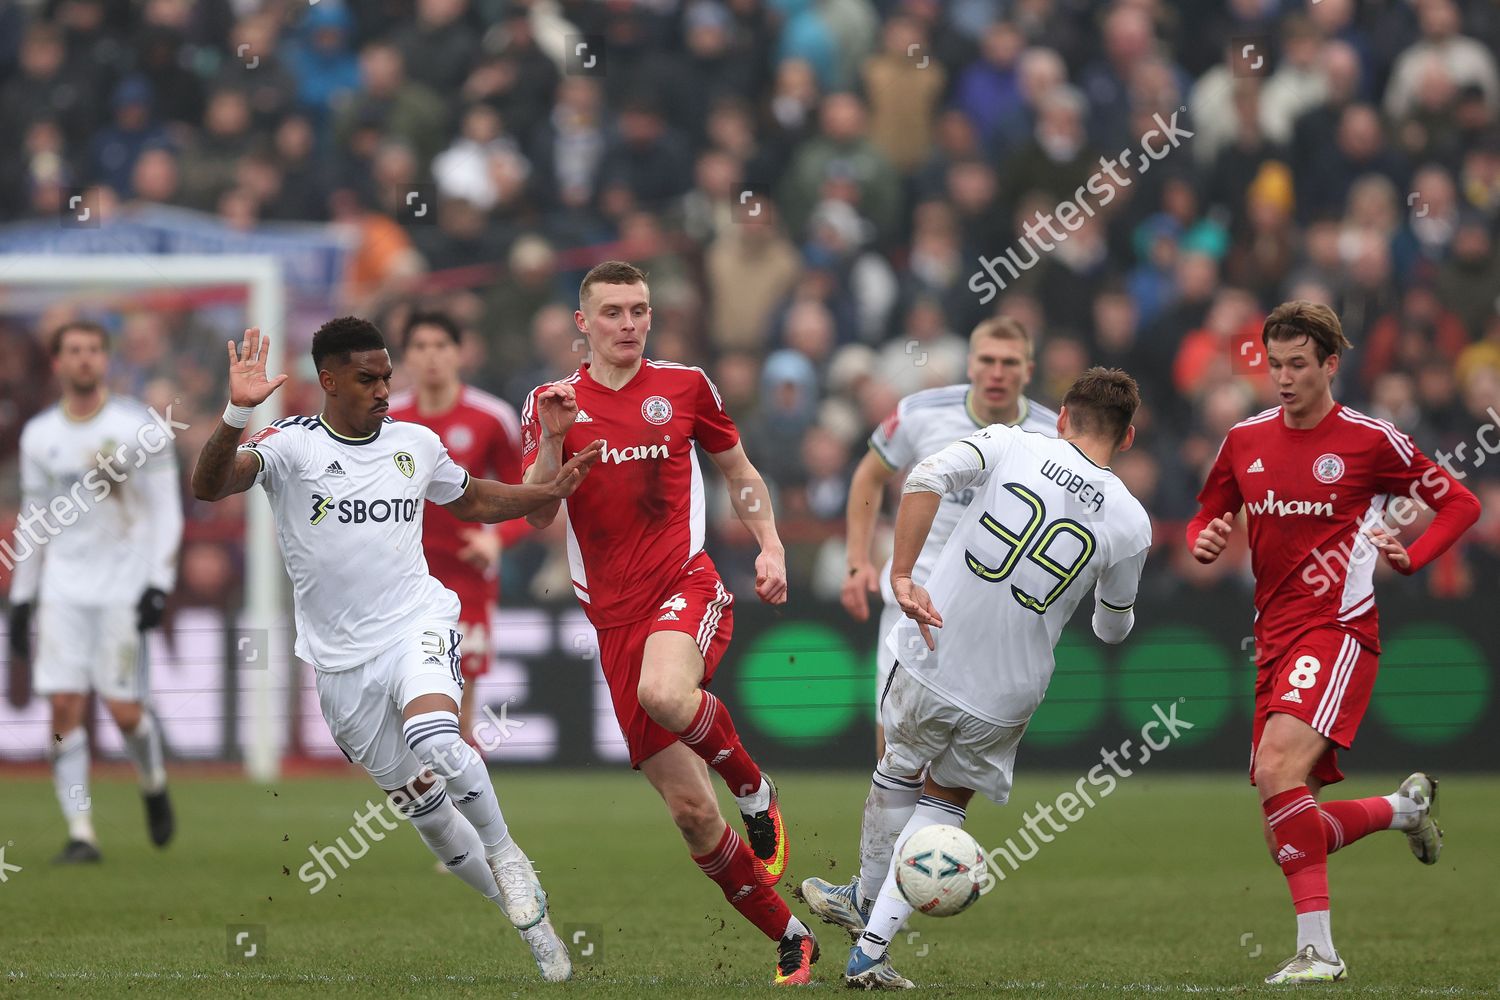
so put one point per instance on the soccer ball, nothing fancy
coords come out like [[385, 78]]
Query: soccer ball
[[941, 870]]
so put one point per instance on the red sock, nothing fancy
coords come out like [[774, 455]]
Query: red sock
[[1347, 821], [735, 868], [1301, 847], [711, 736]]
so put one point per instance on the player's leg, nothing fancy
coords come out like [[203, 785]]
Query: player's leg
[[426, 685], [70, 776], [683, 647], [121, 676], [1408, 809], [1285, 756], [869, 965], [681, 778], [979, 756], [143, 745], [67, 640], [365, 722], [895, 787]]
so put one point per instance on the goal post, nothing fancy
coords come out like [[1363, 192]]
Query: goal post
[[265, 595]]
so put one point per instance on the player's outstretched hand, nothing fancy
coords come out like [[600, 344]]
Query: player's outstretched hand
[[917, 604], [1395, 553], [1212, 539], [481, 549], [573, 471], [557, 408], [861, 581], [248, 385], [770, 577]]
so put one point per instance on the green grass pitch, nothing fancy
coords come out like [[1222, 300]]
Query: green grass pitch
[[1163, 889]]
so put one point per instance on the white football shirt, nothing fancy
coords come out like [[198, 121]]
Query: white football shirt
[[348, 516], [923, 424], [1046, 525], [113, 506]]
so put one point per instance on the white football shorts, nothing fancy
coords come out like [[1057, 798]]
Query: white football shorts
[[362, 705], [960, 751], [83, 648]]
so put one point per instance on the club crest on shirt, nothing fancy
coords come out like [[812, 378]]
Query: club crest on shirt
[[657, 410], [1328, 468], [460, 438], [406, 464]]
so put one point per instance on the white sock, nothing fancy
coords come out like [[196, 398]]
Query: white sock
[[434, 738], [795, 927], [1316, 928], [144, 749], [452, 839], [891, 908], [887, 809], [757, 801], [1404, 812], [70, 777]]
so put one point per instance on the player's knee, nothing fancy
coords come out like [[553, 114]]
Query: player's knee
[[1275, 770], [434, 738], [695, 815], [127, 715], [665, 702]]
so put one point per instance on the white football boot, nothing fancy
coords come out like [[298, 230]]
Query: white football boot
[[1307, 966], [1425, 837]]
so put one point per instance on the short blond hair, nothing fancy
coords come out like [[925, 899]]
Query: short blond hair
[[1003, 328]]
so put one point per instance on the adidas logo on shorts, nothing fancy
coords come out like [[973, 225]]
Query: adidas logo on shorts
[[1294, 696], [670, 616]]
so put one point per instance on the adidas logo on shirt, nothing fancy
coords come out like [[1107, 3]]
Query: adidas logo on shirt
[[334, 469], [583, 418], [1293, 696], [1288, 853], [1255, 466]]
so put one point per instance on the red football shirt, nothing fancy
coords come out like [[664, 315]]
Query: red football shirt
[[483, 435], [1309, 494], [637, 518]]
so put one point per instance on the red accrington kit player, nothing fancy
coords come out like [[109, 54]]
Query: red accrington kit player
[[635, 537], [1318, 482]]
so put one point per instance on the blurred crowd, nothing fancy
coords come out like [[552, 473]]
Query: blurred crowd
[[815, 187]]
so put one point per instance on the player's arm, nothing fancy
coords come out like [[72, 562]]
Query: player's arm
[[550, 414], [1457, 508], [222, 470], [1114, 598], [866, 491], [505, 459], [488, 501], [161, 493], [1218, 502], [752, 503]]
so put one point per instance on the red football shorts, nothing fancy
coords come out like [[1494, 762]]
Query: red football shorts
[[474, 606], [698, 605], [1325, 680]]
